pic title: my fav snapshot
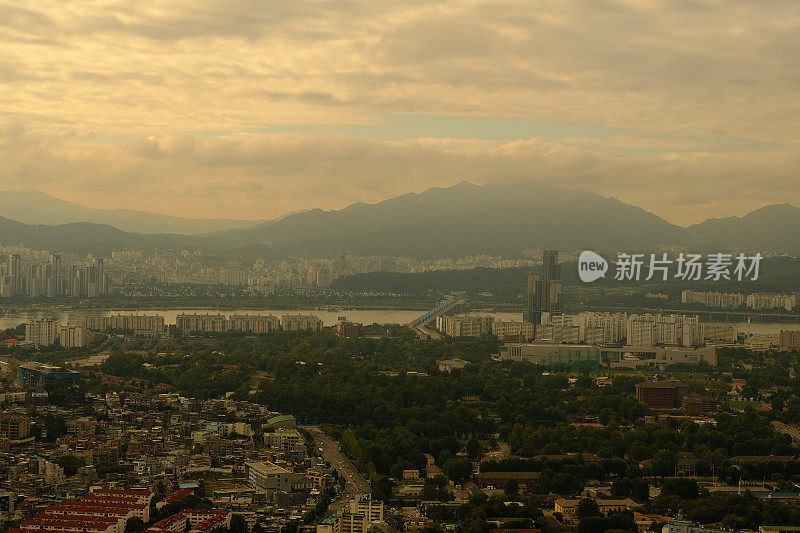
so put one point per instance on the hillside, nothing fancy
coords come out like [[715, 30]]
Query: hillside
[[457, 221], [773, 227], [33, 207], [83, 238], [467, 219]]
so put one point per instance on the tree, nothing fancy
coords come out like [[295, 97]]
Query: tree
[[664, 463], [473, 448], [458, 470], [238, 524], [70, 464], [134, 525], [685, 488], [511, 487], [587, 508]]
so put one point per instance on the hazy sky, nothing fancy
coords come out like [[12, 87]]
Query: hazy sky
[[252, 108]]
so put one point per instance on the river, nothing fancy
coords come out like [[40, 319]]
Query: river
[[329, 318]]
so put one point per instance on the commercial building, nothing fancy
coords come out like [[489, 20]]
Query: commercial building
[[697, 405], [657, 356], [662, 394], [543, 292], [550, 354], [271, 477], [614, 356], [32, 375]]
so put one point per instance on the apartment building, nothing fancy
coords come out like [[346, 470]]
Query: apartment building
[[41, 332], [301, 323], [72, 336], [513, 328], [720, 332], [649, 330], [139, 324], [789, 339], [15, 426], [464, 325], [592, 327], [206, 323], [254, 323]]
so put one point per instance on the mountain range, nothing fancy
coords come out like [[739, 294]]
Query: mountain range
[[465, 219], [34, 207]]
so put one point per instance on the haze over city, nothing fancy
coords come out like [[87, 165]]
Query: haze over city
[[351, 266]]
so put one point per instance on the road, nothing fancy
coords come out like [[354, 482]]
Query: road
[[423, 331], [789, 430], [330, 452]]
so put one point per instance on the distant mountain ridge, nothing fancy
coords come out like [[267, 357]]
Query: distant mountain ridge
[[465, 219], [34, 207], [776, 227]]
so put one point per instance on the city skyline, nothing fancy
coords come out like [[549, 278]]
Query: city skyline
[[234, 111]]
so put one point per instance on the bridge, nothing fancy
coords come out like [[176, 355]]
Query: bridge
[[420, 324]]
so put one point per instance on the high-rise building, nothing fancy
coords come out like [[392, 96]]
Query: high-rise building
[[41, 331], [301, 323], [649, 330], [789, 339], [72, 336], [464, 325], [543, 293]]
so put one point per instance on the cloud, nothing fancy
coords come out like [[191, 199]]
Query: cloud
[[246, 108], [264, 176], [711, 68]]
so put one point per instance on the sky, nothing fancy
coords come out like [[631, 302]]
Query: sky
[[252, 109]]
